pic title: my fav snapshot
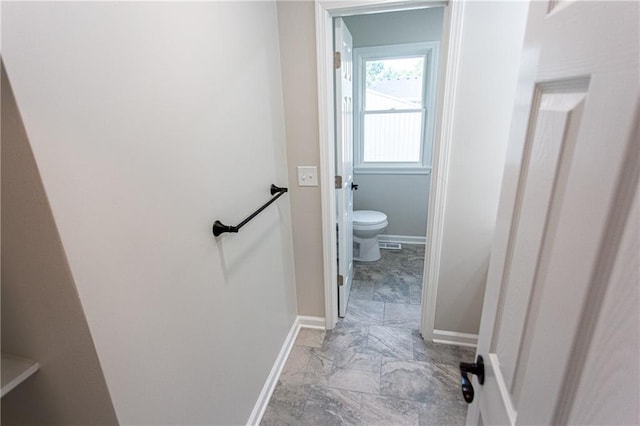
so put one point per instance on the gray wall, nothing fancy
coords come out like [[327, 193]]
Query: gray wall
[[148, 121], [298, 58], [42, 317], [410, 26], [404, 198]]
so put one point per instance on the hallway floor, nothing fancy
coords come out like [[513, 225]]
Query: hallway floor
[[373, 368]]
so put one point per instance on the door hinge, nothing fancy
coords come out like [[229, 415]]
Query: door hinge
[[338, 182], [340, 280], [337, 60]]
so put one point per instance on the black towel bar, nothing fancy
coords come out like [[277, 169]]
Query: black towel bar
[[220, 228]]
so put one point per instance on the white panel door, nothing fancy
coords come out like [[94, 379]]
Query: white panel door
[[566, 203], [344, 160]]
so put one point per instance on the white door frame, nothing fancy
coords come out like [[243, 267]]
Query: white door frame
[[326, 10]]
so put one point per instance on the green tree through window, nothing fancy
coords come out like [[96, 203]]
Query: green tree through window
[[388, 69]]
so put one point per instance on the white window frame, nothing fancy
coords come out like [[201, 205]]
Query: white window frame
[[428, 50]]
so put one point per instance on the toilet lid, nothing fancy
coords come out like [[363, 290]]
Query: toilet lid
[[368, 217]]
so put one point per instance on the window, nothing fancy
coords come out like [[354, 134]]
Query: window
[[395, 98]]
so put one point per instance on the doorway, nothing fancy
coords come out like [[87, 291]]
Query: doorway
[[450, 28], [386, 85]]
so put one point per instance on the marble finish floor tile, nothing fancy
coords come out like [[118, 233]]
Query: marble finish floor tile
[[296, 366], [365, 312], [345, 338], [391, 292], [286, 405], [413, 259], [391, 342], [361, 290], [352, 357], [310, 337], [367, 274], [452, 374], [383, 410], [349, 379], [415, 294], [327, 406], [351, 370], [417, 381], [454, 414], [402, 315], [467, 352], [373, 368], [407, 279]]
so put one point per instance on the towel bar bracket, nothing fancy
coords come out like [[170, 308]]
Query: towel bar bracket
[[220, 228], [276, 189]]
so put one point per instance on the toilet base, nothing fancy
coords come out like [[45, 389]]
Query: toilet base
[[369, 249]]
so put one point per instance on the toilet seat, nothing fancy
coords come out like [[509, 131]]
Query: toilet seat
[[368, 218]]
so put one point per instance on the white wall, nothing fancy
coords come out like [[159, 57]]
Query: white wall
[[489, 61], [148, 121], [403, 198]]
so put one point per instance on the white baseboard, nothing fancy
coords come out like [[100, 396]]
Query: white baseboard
[[311, 322], [404, 239], [274, 375], [455, 338], [272, 380]]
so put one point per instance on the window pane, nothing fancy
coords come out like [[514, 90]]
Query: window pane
[[394, 84], [392, 137]]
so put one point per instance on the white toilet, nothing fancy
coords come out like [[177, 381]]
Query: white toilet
[[367, 224]]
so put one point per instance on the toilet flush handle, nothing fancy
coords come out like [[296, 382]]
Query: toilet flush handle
[[354, 186]]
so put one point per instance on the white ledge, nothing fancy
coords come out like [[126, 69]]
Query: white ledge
[[16, 370]]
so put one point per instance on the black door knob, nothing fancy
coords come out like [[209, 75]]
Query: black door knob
[[465, 368], [354, 186]]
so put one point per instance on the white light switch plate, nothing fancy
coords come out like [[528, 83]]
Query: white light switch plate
[[307, 176]]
